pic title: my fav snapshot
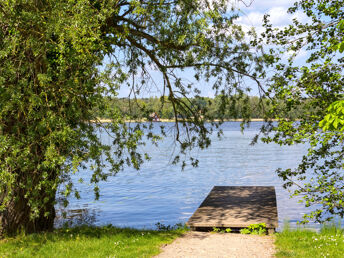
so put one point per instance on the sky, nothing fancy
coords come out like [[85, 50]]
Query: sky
[[251, 15]]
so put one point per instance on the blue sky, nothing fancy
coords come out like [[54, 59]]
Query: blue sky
[[279, 17], [252, 13]]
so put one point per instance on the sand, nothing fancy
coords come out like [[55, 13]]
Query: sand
[[205, 244]]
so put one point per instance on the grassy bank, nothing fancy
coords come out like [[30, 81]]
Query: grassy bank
[[89, 242], [329, 242]]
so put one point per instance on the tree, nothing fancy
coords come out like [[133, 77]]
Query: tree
[[61, 59], [317, 86]]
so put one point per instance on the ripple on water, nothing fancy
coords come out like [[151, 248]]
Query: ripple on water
[[163, 193]]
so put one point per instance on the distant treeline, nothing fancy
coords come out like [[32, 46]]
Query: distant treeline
[[220, 107]]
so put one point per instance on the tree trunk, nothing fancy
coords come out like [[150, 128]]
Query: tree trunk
[[16, 217]]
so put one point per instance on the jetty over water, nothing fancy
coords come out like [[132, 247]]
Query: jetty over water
[[237, 207]]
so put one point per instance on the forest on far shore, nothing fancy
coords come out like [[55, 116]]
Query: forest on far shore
[[236, 107]]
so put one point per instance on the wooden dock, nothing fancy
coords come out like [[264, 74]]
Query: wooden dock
[[237, 207]]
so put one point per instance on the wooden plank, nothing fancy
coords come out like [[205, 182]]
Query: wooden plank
[[237, 207]]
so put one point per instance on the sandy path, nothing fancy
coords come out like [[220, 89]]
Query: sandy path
[[203, 244]]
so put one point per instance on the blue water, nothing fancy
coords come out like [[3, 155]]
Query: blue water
[[161, 192]]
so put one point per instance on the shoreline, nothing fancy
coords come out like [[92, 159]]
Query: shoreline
[[100, 120]]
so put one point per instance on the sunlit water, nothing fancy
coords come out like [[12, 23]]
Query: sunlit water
[[161, 192]]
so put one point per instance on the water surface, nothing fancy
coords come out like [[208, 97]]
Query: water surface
[[161, 192]]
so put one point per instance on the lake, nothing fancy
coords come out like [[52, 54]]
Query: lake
[[161, 192]]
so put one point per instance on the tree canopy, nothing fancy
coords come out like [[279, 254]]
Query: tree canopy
[[59, 59], [319, 83]]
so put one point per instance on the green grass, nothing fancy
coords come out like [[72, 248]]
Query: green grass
[[329, 242], [89, 241]]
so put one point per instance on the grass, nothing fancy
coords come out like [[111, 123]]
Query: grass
[[109, 241], [86, 241], [329, 242]]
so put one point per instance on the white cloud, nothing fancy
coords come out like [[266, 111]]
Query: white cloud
[[253, 19], [299, 56], [262, 5], [279, 17]]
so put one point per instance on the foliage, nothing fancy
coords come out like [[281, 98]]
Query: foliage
[[228, 230], [216, 230], [221, 230], [255, 229], [245, 231], [59, 59], [334, 120], [86, 241], [318, 82], [329, 242], [163, 227], [208, 107]]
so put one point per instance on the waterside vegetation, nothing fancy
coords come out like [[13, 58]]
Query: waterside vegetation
[[88, 241], [329, 242], [238, 107], [109, 241]]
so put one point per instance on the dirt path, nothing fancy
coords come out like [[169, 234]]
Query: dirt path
[[202, 244]]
